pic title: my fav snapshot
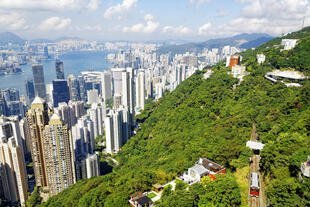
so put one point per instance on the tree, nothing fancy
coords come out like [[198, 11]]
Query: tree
[[35, 198], [284, 193], [224, 191]]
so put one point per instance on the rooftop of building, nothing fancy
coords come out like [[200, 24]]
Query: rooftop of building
[[55, 117], [38, 100], [210, 165], [255, 145], [140, 199], [288, 74]]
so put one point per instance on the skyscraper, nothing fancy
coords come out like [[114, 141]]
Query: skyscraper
[[46, 51], [125, 89], [52, 149], [37, 117], [74, 88], [140, 90], [58, 155], [92, 165], [117, 129], [92, 96], [106, 86], [59, 65], [60, 92], [13, 169], [125, 122], [70, 113], [131, 86], [117, 80], [29, 88], [38, 77], [26, 139], [109, 134], [83, 90]]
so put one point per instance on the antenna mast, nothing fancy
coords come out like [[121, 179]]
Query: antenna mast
[[303, 23]]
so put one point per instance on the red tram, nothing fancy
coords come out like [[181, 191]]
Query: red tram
[[254, 188]]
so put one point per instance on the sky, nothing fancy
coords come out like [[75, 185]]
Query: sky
[[146, 20]]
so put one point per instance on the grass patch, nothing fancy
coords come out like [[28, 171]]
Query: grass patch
[[242, 180], [151, 195]]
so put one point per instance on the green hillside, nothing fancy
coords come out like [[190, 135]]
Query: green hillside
[[207, 118]]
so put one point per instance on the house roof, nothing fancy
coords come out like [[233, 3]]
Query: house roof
[[144, 201], [136, 195], [157, 185], [288, 74], [211, 166], [200, 169], [255, 145]]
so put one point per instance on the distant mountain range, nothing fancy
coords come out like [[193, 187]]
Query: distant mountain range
[[9, 37], [245, 41]]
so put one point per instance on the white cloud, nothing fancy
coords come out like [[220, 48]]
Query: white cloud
[[134, 28], [204, 28], [147, 28], [148, 17], [124, 7], [150, 27], [274, 17], [52, 5], [55, 23], [93, 5], [180, 30], [13, 21]]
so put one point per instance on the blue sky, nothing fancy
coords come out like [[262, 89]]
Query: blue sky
[[193, 20]]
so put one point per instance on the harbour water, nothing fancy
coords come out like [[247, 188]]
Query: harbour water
[[74, 63]]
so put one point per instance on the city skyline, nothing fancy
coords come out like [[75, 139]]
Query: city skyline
[[148, 20]]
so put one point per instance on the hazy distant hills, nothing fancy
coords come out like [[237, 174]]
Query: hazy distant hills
[[244, 41], [9, 37]]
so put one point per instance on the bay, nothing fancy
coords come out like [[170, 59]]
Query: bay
[[74, 63]]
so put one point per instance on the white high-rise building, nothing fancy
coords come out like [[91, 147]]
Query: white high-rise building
[[92, 96], [83, 137], [117, 131], [96, 115], [109, 134], [117, 80], [92, 165], [159, 90], [49, 94], [117, 128], [125, 89], [140, 90], [13, 167]]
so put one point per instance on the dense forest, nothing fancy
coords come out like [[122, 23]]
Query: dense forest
[[211, 118]]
